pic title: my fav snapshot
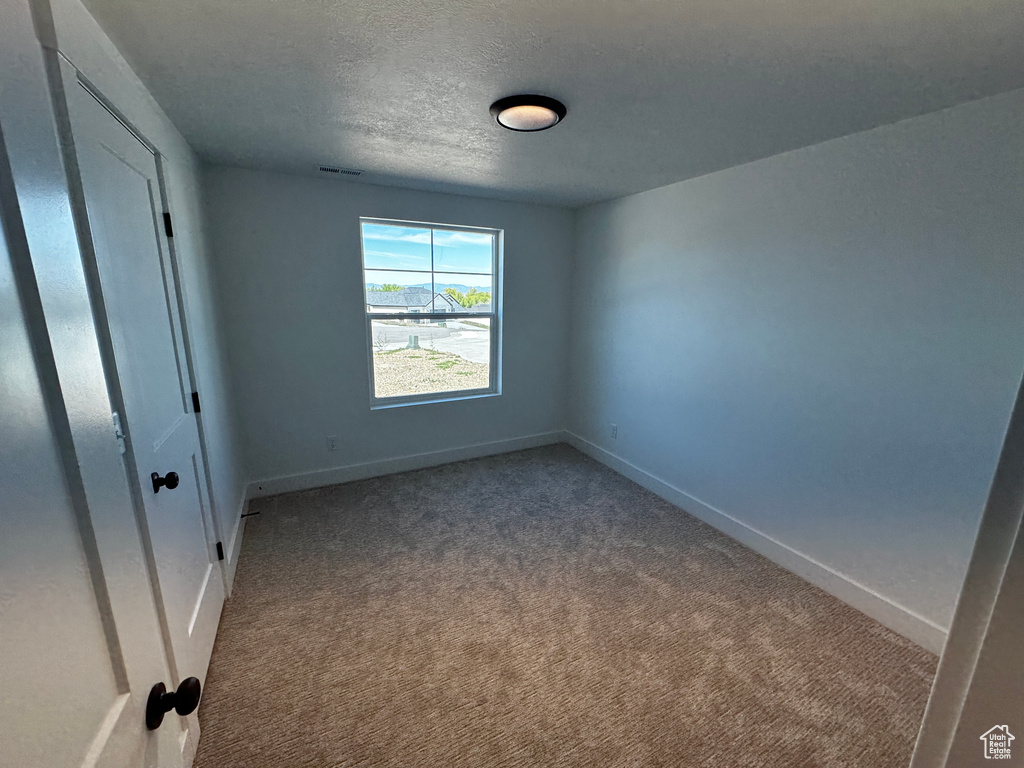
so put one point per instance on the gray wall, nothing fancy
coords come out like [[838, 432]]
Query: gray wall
[[823, 345], [288, 254], [218, 418]]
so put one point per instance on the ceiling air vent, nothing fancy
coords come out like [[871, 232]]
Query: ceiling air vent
[[333, 169]]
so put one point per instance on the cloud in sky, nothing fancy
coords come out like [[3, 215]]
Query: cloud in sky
[[392, 260], [443, 237], [455, 239], [395, 234]]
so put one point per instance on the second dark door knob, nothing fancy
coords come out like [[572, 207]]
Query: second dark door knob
[[161, 701]]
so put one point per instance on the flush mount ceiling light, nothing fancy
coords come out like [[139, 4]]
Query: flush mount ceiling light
[[528, 112]]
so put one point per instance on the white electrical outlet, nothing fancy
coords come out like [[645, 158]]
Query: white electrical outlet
[[613, 431], [332, 443]]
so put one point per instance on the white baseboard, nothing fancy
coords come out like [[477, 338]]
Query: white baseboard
[[920, 630], [230, 563], [335, 475]]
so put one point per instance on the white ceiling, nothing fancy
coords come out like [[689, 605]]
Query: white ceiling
[[657, 90]]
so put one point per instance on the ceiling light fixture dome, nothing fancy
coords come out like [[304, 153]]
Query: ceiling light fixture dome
[[528, 112]]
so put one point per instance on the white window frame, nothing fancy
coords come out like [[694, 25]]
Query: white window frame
[[494, 369]]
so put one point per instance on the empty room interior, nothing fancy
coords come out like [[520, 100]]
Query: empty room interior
[[535, 383]]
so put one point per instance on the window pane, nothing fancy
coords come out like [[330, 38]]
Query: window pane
[[471, 292], [463, 251], [413, 357], [391, 247], [399, 292]]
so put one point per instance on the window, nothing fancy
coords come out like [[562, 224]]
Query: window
[[432, 320]]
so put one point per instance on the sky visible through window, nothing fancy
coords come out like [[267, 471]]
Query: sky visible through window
[[402, 255]]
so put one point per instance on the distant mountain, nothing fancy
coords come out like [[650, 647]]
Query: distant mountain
[[439, 287]]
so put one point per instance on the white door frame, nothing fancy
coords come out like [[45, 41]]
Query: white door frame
[[993, 549], [220, 536]]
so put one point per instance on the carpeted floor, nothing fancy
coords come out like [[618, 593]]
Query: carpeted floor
[[537, 609]]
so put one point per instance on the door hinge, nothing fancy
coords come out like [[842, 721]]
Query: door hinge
[[195, 402], [167, 225], [119, 433], [220, 551]]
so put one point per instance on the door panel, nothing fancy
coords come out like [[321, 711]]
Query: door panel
[[190, 585], [135, 292], [119, 178]]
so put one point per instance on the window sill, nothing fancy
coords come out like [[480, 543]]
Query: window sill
[[382, 405]]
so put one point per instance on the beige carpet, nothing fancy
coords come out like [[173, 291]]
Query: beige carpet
[[537, 609]]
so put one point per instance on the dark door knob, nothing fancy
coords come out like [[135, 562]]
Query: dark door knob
[[170, 481], [161, 701]]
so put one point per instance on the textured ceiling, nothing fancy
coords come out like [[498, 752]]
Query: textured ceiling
[[657, 90]]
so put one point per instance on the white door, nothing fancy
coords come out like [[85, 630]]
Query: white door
[[80, 637], [125, 215]]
